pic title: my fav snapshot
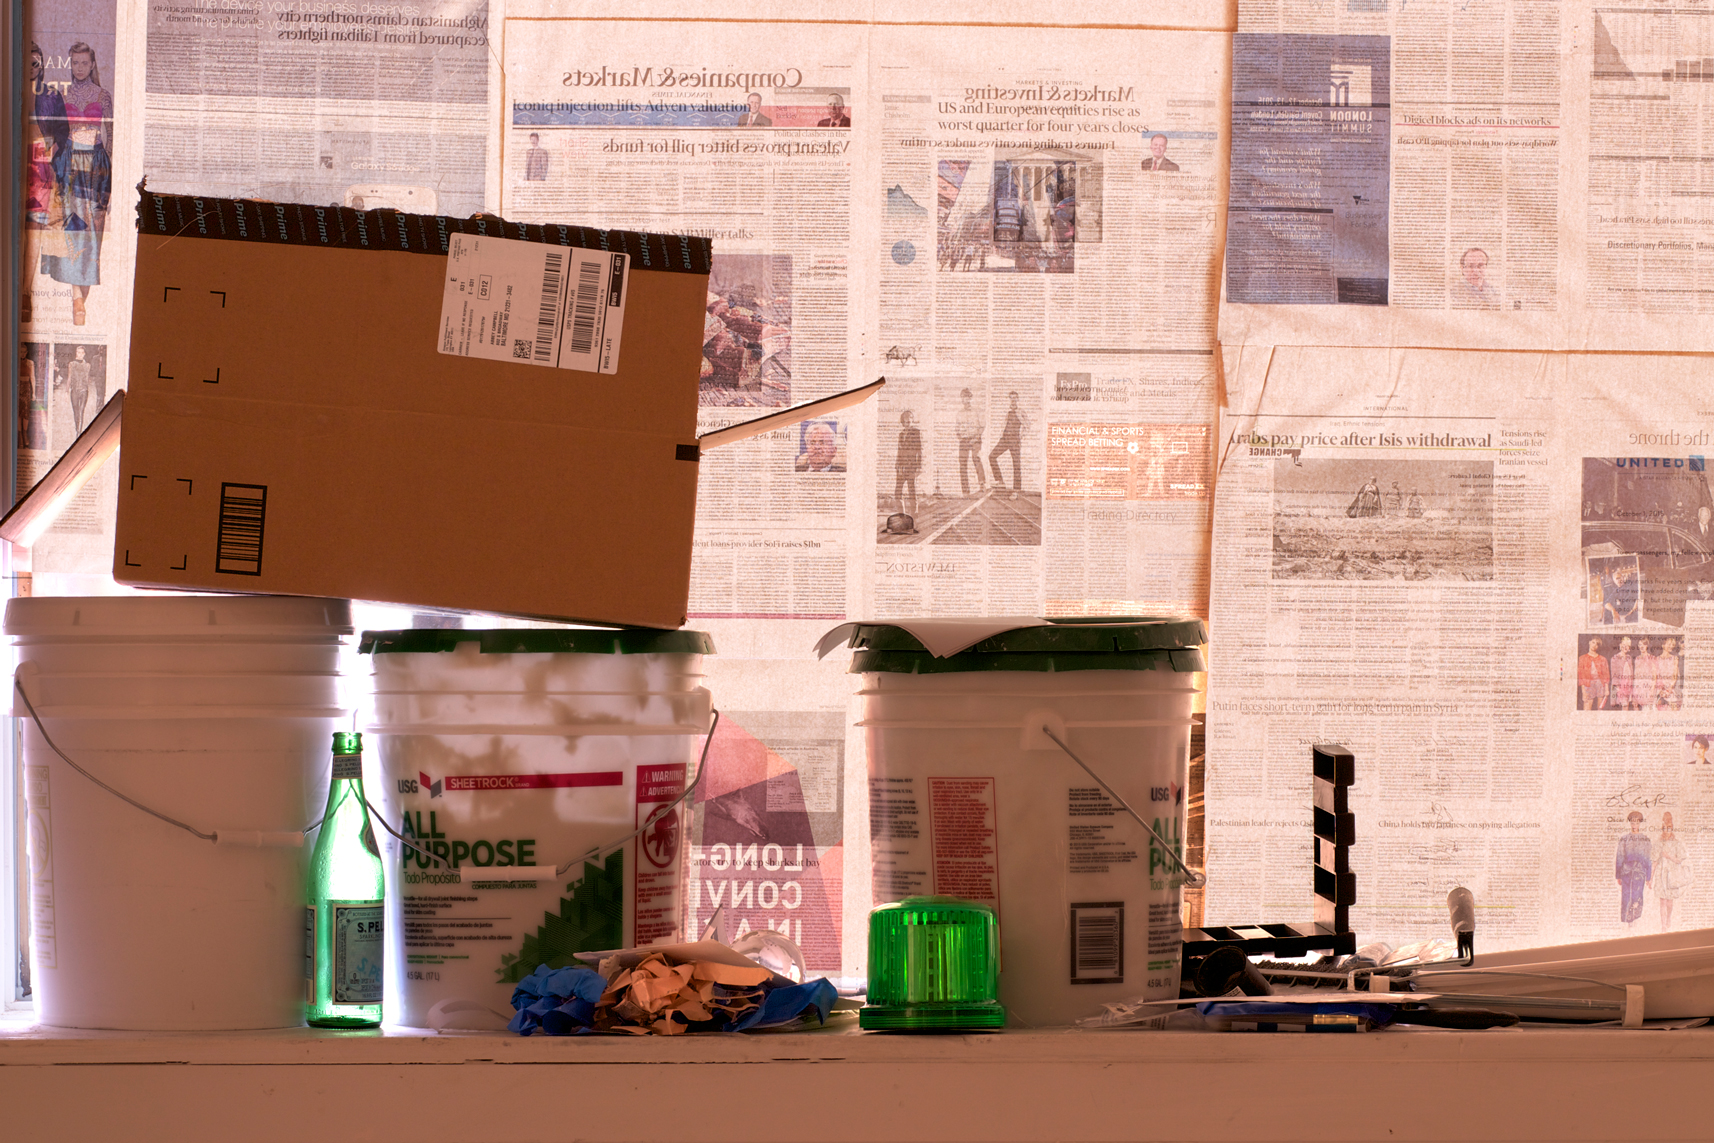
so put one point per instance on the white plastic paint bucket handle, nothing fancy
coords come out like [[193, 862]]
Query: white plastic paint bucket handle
[[246, 838], [260, 839]]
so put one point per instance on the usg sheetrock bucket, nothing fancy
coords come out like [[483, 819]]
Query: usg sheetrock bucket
[[216, 711], [971, 797], [510, 755]]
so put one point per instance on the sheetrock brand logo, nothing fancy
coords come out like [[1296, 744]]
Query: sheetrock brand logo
[[1173, 793], [1348, 85], [474, 782]]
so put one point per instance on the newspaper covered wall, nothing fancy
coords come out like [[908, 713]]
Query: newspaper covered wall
[[1027, 214], [1510, 175], [1490, 576]]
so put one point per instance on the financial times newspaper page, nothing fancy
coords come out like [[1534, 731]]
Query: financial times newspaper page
[[1489, 576], [1044, 255], [372, 105], [1401, 175], [706, 129], [1507, 175]]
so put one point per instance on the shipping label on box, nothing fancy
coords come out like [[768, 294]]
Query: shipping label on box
[[508, 300]]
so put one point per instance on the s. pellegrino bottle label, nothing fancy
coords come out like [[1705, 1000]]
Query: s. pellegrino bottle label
[[347, 766], [358, 939]]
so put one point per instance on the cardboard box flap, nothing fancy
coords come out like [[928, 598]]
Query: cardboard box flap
[[807, 411], [41, 506], [300, 224]]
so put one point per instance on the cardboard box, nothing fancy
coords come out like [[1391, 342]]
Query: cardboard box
[[292, 426]]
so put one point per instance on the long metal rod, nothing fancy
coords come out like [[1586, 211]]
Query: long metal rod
[[1191, 877]]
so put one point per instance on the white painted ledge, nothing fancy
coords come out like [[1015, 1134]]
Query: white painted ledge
[[840, 1085]]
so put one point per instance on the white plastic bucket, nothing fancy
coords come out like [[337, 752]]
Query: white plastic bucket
[[214, 710], [971, 798], [511, 753]]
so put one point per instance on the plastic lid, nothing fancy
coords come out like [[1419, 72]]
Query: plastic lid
[[933, 966], [1127, 643], [175, 616], [540, 641]]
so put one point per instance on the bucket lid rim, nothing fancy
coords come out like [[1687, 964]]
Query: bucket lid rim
[[902, 662], [539, 641], [1065, 634], [1064, 643], [86, 616]]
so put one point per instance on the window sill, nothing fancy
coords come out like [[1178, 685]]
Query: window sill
[[839, 1084]]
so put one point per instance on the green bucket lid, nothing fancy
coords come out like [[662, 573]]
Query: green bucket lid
[[1102, 643], [540, 641]]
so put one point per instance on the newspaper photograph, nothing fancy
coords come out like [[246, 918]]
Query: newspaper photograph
[[1443, 528], [1477, 572]]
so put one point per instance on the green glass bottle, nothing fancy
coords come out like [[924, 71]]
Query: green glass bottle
[[343, 924]]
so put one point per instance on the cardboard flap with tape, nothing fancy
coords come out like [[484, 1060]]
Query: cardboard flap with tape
[[323, 402]]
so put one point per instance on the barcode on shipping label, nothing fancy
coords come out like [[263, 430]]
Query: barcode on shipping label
[[558, 306], [238, 543], [1098, 943]]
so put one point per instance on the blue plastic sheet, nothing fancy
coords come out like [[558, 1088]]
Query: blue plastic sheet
[[782, 1005], [561, 1002], [549, 998]]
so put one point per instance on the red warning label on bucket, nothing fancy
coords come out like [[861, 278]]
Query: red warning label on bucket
[[659, 847], [964, 827], [533, 781]]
